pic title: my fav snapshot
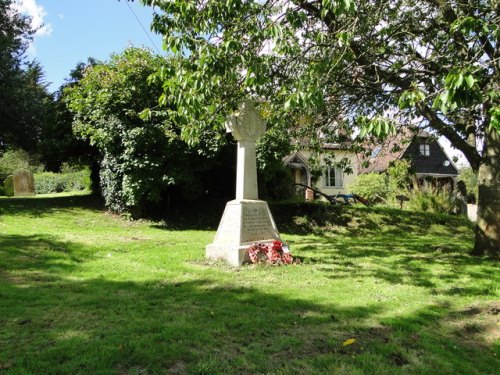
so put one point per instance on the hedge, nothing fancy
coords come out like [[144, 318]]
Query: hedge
[[49, 182]]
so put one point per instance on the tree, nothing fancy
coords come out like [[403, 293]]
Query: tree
[[365, 65], [142, 158], [23, 94], [58, 143]]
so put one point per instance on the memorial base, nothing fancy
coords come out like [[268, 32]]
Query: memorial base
[[243, 223]]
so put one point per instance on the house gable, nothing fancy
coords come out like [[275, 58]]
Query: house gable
[[428, 158]]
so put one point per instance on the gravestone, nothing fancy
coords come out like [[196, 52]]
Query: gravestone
[[246, 219], [9, 186], [24, 184]]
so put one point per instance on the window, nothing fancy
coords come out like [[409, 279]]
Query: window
[[334, 177], [424, 149], [376, 151]]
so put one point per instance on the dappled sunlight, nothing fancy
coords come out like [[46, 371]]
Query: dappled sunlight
[[38, 207], [145, 298], [441, 267]]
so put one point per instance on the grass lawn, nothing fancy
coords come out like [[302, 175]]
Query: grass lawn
[[86, 292]]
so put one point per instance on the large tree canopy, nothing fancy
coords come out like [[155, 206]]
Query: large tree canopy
[[24, 99], [142, 158], [365, 65]]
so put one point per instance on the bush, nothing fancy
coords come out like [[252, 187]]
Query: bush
[[430, 198], [371, 186], [143, 156], [49, 182], [469, 177], [16, 160], [306, 217], [399, 176]]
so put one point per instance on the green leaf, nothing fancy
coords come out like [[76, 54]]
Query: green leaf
[[458, 80], [145, 114], [469, 80], [495, 118], [343, 38], [287, 104]]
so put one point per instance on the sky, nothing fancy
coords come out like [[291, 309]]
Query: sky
[[71, 31]]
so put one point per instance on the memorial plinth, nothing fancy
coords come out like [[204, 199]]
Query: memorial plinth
[[246, 219]]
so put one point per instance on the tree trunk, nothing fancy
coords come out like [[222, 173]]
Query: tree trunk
[[488, 213]]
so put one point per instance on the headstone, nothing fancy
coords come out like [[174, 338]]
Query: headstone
[[9, 186], [246, 219], [24, 184]]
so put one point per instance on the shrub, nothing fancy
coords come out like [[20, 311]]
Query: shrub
[[49, 182], [142, 154], [469, 177], [306, 217], [430, 198], [16, 160], [399, 176], [371, 186]]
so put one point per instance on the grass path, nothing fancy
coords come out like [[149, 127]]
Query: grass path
[[83, 291]]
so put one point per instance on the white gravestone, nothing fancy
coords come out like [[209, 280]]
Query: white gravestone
[[246, 219]]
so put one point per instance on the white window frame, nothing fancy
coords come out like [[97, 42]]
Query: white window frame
[[338, 177], [376, 151], [425, 149]]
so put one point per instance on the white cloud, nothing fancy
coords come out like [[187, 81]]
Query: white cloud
[[37, 14]]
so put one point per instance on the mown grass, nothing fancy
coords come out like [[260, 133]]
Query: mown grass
[[84, 291]]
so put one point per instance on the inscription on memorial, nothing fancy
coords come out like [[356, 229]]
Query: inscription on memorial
[[257, 224]]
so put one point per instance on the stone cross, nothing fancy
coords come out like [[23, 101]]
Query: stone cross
[[246, 126], [246, 219]]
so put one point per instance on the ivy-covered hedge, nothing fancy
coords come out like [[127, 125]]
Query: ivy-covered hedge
[[302, 217], [49, 182]]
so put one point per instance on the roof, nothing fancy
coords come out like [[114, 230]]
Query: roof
[[390, 150], [295, 160], [406, 145]]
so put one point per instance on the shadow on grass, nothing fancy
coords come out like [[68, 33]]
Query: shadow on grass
[[40, 207], [59, 321], [411, 259], [40, 253]]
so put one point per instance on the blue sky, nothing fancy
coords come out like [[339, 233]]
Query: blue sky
[[73, 30]]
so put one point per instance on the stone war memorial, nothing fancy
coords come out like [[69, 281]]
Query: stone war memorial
[[246, 219]]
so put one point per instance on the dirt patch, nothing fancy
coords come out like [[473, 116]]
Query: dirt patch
[[477, 325], [398, 359], [178, 368]]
